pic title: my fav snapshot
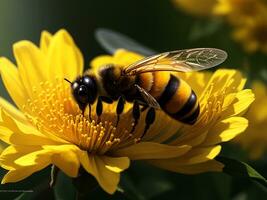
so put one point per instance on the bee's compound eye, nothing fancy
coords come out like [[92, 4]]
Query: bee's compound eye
[[91, 85], [75, 85], [82, 91], [81, 94], [87, 80]]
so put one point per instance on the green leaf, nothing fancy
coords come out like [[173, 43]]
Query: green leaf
[[37, 182], [240, 169], [154, 186], [64, 188], [23, 196], [143, 181], [85, 183], [129, 189], [40, 190]]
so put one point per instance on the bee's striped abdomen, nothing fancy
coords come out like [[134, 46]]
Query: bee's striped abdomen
[[174, 95]]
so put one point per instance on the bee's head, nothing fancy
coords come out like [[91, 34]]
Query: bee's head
[[84, 90]]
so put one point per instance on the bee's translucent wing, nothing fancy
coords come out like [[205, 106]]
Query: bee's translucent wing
[[150, 100], [112, 41], [187, 60]]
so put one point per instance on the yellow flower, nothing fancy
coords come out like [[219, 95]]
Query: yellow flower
[[239, 11], [196, 7], [254, 138], [252, 35], [48, 128], [249, 21], [2, 146]]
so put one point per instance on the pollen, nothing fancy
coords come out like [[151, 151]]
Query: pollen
[[53, 111]]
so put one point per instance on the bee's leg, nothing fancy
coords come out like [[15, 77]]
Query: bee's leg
[[136, 114], [99, 105], [144, 108], [99, 109], [119, 109], [82, 108], [150, 118]]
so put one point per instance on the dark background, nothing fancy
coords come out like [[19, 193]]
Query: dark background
[[159, 25]]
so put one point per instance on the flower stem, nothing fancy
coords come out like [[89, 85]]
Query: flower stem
[[53, 175]]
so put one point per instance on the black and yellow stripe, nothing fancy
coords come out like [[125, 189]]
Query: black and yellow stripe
[[174, 95]]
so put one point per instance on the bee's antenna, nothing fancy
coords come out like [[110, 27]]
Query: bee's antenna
[[67, 80]]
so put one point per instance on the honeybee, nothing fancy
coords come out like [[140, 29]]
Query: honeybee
[[148, 83]]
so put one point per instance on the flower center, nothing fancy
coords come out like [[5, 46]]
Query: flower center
[[52, 110]]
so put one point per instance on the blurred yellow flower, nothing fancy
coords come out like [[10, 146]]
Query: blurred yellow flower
[[248, 18], [254, 138], [48, 127], [239, 11], [252, 35], [196, 7], [249, 21]]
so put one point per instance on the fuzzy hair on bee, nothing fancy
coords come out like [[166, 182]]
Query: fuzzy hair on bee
[[148, 83]]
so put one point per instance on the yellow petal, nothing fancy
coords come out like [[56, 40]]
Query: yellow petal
[[226, 130], [196, 155], [106, 178], [34, 158], [117, 165], [12, 153], [67, 162], [22, 173], [12, 111], [2, 146], [197, 81], [45, 41], [165, 133], [192, 136], [66, 159], [32, 65], [64, 58], [63, 156], [22, 134], [239, 104], [219, 80], [209, 166], [80, 60], [150, 150], [100, 61], [5, 134], [12, 82], [225, 80], [123, 57]]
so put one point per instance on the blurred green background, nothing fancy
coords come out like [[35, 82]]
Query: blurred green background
[[160, 26]]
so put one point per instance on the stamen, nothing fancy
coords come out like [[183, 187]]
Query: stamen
[[53, 111]]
